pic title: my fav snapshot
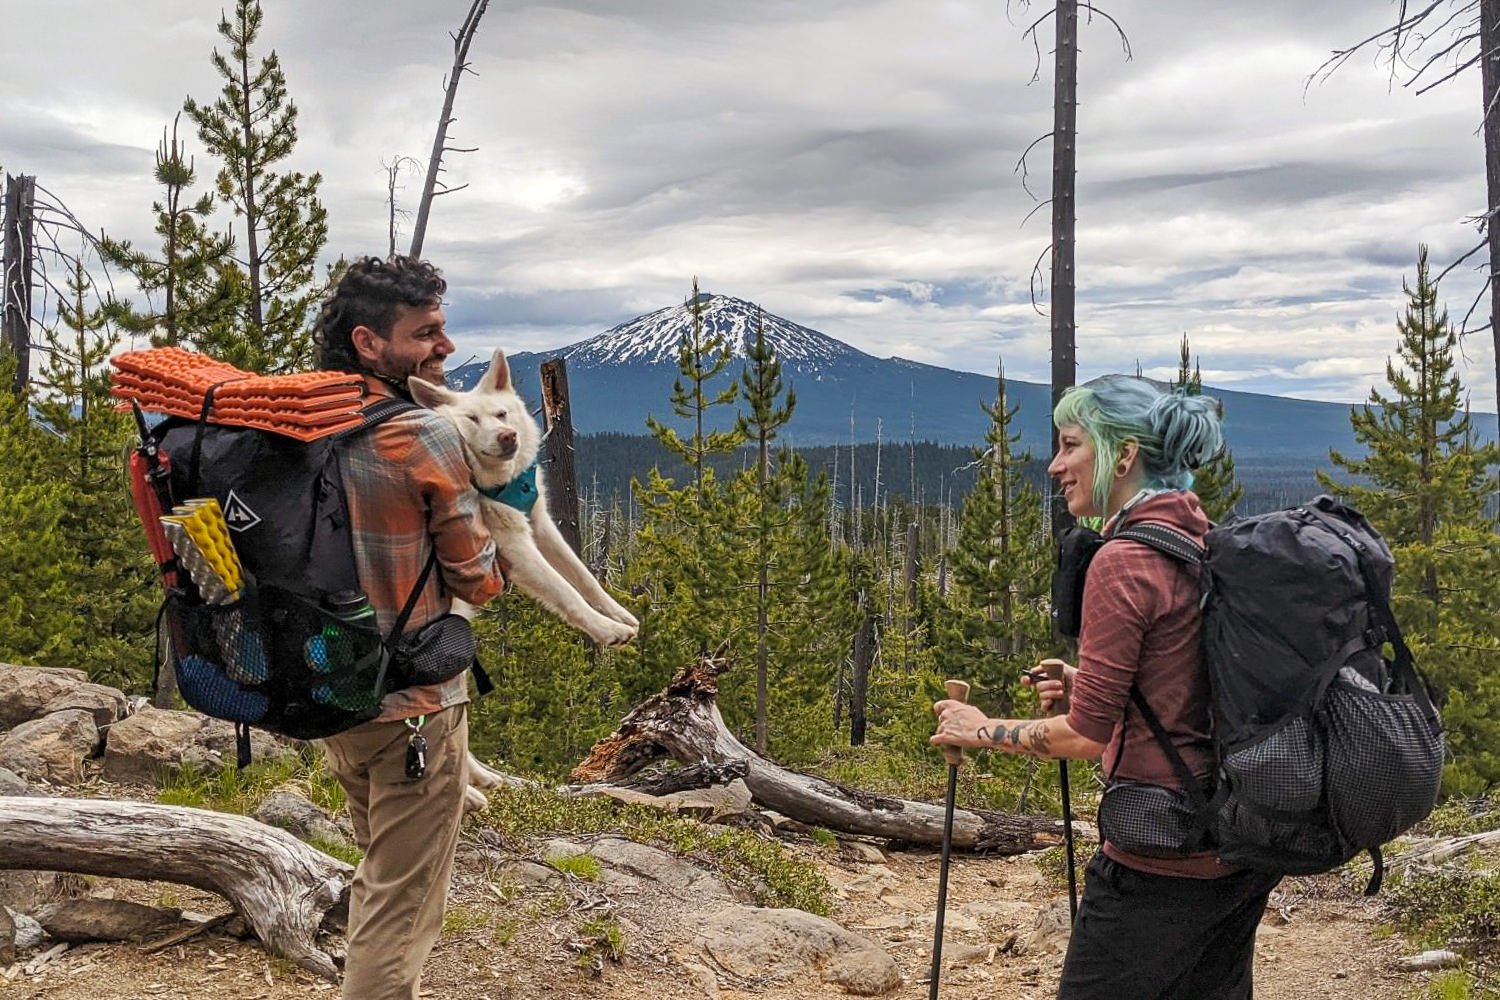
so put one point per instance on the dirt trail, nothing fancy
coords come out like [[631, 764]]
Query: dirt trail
[[510, 939]]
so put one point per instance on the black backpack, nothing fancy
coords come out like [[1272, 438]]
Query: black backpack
[[299, 653], [1325, 747]]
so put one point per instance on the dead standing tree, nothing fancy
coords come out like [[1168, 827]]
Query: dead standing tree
[[1064, 136], [1432, 45], [18, 257], [430, 187]]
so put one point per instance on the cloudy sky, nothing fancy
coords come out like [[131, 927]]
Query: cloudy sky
[[848, 164]]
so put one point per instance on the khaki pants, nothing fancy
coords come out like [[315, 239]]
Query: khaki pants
[[408, 829]]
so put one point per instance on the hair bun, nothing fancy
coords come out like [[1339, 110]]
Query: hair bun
[[1188, 426]]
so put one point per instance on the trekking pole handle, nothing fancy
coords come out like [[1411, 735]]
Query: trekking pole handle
[[1054, 669], [957, 691]]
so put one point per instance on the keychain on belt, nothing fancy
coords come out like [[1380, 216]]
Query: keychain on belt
[[416, 748]]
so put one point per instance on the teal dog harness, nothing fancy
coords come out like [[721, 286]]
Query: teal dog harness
[[519, 493]]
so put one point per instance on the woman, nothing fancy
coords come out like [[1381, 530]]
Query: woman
[[1169, 924]]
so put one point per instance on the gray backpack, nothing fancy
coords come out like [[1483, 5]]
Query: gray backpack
[[1325, 746]]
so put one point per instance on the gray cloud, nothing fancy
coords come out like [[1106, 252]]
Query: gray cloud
[[849, 165]]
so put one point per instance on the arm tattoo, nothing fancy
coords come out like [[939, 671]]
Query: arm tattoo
[[1040, 739], [983, 733], [1014, 739]]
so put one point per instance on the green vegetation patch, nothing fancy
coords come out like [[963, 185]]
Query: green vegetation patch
[[772, 873], [230, 790]]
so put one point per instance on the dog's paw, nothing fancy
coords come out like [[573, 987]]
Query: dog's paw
[[620, 614], [612, 633]]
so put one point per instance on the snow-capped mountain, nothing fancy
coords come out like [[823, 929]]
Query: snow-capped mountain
[[654, 337], [625, 373]]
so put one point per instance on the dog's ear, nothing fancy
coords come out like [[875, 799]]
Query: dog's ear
[[429, 394], [497, 376]]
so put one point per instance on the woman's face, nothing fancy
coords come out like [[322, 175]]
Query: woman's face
[[1073, 468]]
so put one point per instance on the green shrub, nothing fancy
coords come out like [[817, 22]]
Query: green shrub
[[1439, 905]]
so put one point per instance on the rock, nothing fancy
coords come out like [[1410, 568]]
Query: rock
[[704, 977], [531, 873], [887, 922], [1050, 934], [759, 943], [957, 955], [29, 933], [154, 741], [51, 748], [862, 851], [627, 862], [24, 891], [24, 691], [79, 920], [290, 810], [108, 705], [12, 783], [7, 938]]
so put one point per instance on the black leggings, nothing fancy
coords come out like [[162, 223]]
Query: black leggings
[[1156, 937]]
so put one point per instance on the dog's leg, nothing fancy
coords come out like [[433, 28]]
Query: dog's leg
[[560, 555], [536, 578]]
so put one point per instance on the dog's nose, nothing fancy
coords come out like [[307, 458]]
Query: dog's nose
[[507, 438]]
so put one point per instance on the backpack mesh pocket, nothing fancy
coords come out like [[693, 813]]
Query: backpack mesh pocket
[[278, 660], [1252, 839], [1281, 771], [1384, 766]]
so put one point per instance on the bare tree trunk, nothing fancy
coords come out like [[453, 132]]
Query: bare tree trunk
[[562, 473], [683, 722], [1064, 172], [864, 651], [461, 40], [19, 243], [1489, 44], [286, 891]]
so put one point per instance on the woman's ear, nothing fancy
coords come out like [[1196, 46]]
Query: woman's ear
[[1129, 452]]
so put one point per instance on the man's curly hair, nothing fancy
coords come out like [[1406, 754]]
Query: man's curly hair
[[368, 293]]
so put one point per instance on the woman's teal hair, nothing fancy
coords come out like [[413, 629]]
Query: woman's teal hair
[[1176, 432]]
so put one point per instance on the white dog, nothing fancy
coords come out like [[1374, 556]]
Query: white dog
[[501, 440]]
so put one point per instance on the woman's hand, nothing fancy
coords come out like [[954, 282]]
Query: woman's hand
[[1050, 691], [958, 725]]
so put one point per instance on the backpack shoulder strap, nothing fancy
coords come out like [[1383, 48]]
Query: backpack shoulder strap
[[1166, 540], [376, 413]]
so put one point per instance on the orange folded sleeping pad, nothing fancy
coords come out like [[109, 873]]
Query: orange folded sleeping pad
[[303, 405]]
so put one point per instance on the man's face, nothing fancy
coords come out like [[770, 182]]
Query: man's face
[[418, 345]]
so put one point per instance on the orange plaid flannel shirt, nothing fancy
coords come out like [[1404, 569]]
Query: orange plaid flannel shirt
[[409, 491]]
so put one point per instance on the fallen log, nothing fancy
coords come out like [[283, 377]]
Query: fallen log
[[285, 890], [683, 723]]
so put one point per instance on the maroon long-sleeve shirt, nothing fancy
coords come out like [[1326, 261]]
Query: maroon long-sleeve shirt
[[1141, 625]]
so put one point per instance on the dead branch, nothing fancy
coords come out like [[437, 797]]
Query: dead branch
[[285, 890], [461, 40], [683, 722]]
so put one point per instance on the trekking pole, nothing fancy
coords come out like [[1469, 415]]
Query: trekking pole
[[1054, 670], [958, 691]]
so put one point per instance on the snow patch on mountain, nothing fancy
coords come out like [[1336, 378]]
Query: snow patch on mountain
[[654, 337]]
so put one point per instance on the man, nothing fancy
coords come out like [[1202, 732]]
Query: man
[[410, 493]]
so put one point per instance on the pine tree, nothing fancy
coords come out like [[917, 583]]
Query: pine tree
[[1214, 482], [113, 595], [1428, 488], [1001, 565], [701, 357], [197, 296], [251, 127], [769, 412], [39, 566]]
